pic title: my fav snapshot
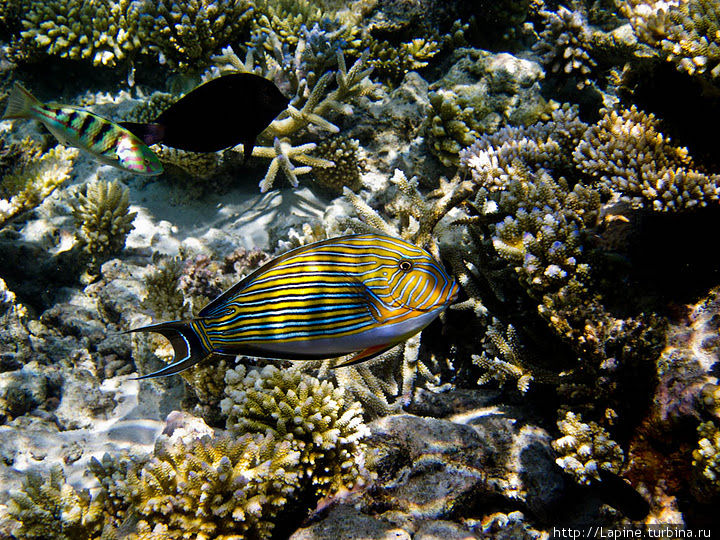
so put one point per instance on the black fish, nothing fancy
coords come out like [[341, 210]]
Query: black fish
[[219, 114], [619, 494]]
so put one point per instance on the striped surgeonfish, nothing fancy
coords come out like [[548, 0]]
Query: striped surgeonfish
[[104, 140], [359, 294]]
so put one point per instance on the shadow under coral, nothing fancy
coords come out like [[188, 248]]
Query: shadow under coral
[[668, 259]]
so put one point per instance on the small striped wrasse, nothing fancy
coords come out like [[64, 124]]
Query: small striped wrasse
[[359, 294], [102, 139]]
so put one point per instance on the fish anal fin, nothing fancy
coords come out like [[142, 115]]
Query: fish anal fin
[[365, 354]]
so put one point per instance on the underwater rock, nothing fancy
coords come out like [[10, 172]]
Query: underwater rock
[[23, 390], [432, 469], [389, 126], [479, 94], [346, 522], [429, 468]]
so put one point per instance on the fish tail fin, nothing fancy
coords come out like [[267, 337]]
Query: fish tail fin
[[248, 145], [20, 103], [147, 133], [186, 344]]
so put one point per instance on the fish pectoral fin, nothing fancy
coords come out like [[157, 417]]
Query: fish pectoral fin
[[365, 354]]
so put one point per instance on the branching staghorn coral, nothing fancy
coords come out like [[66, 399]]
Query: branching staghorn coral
[[527, 218], [33, 178], [213, 488], [393, 62], [565, 44], [182, 35], [417, 214], [684, 32], [113, 472], [286, 18], [388, 383], [164, 297], [314, 417], [540, 234], [152, 107], [105, 32], [586, 449], [103, 219], [186, 34], [630, 156], [49, 507], [312, 101], [509, 365], [494, 159]]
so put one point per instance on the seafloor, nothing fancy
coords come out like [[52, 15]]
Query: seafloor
[[561, 160]]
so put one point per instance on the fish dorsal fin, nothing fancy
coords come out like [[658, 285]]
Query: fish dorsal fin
[[208, 310]]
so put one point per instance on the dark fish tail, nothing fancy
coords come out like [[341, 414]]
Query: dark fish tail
[[186, 344], [248, 145], [147, 133]]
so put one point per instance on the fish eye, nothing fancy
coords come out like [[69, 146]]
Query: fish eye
[[405, 265]]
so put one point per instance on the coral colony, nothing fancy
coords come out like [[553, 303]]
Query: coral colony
[[564, 206]]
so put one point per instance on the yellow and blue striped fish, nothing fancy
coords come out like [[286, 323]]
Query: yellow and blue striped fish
[[358, 294], [104, 140]]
